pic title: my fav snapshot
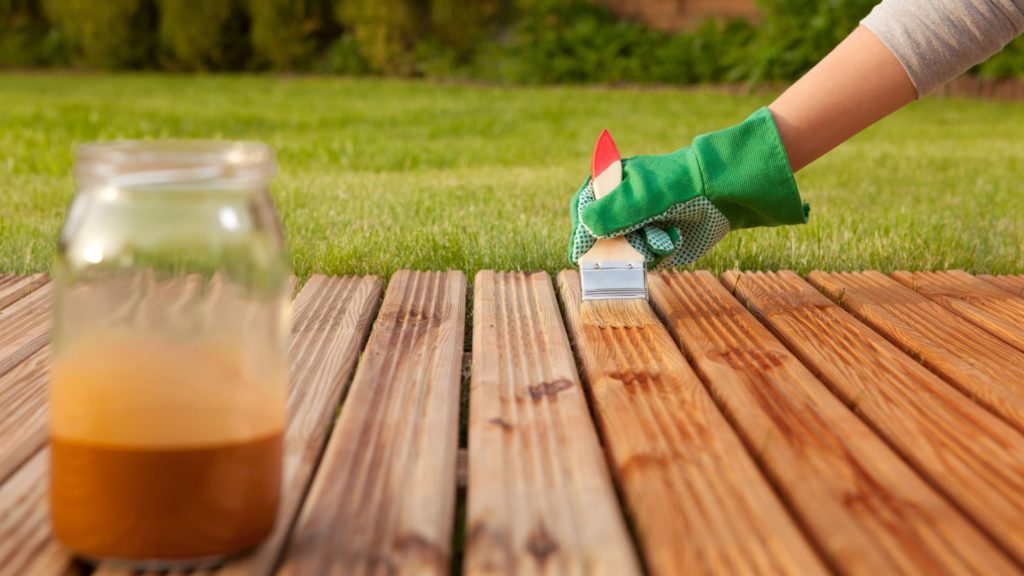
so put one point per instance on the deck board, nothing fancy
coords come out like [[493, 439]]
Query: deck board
[[23, 398], [24, 327], [699, 502], [971, 455], [868, 511], [1012, 284], [26, 544], [384, 495], [540, 497], [973, 299], [982, 366], [13, 288], [330, 320], [331, 317]]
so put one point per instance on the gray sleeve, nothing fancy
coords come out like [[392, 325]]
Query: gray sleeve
[[937, 40]]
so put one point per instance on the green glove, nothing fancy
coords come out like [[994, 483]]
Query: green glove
[[674, 207]]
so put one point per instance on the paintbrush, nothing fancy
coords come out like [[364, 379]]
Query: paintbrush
[[612, 274]]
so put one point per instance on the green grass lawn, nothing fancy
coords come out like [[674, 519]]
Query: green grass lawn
[[377, 175]]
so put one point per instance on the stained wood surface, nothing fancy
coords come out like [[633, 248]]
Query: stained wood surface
[[24, 327], [13, 288], [24, 370], [698, 501], [26, 544], [996, 310], [866, 509], [330, 320], [971, 455], [23, 397], [809, 440], [540, 498], [1011, 284], [383, 500], [981, 365]]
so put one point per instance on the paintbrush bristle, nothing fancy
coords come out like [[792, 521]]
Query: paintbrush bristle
[[617, 313]]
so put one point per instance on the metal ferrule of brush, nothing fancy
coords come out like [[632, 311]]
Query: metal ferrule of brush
[[613, 280]]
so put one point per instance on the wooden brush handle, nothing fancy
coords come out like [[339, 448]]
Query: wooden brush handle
[[606, 174]]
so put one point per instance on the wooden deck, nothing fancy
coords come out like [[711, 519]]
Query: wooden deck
[[755, 423]]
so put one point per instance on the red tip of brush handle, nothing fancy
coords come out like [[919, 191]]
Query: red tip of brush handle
[[605, 154]]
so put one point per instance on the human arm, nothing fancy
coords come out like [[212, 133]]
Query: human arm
[[678, 205], [902, 50], [857, 84]]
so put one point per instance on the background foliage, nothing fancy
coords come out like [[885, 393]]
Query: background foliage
[[201, 35], [110, 34], [508, 41]]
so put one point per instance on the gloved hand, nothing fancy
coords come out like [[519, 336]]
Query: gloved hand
[[674, 207]]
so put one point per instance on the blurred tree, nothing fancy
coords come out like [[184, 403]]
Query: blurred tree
[[1008, 63], [525, 41], [288, 34], [203, 35], [26, 38], [16, 14], [795, 34], [386, 31], [110, 34], [461, 24]]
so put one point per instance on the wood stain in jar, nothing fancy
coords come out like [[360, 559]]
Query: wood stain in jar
[[163, 450]]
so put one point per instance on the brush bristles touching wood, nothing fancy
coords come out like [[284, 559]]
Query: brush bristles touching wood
[[617, 313]]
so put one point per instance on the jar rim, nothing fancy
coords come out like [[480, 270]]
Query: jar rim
[[160, 163]]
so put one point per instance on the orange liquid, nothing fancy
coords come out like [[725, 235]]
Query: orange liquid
[[164, 449], [166, 504]]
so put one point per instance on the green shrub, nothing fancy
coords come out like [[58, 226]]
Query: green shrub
[[203, 35], [343, 57], [289, 34], [386, 31], [460, 25], [713, 52], [26, 39], [577, 41], [517, 41], [424, 37], [110, 34], [1009, 63], [796, 34]]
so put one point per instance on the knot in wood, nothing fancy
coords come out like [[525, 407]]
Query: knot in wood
[[635, 377], [552, 388], [541, 545]]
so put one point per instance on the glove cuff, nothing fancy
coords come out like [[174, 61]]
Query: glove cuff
[[746, 174]]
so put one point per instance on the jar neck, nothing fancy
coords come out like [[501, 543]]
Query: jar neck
[[136, 166]]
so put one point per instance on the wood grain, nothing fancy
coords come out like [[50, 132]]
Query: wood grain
[[979, 364], [1012, 284], [864, 506], [698, 501], [23, 398], [383, 500], [26, 545], [540, 498], [24, 327], [329, 323], [971, 455], [13, 288], [997, 311]]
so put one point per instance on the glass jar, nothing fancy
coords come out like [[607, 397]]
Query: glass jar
[[169, 380]]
